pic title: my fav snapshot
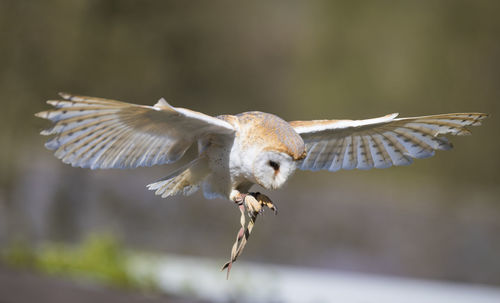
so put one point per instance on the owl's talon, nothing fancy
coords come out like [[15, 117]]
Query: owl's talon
[[253, 205], [265, 201], [274, 209]]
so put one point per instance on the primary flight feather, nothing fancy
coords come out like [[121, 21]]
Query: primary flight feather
[[236, 151]]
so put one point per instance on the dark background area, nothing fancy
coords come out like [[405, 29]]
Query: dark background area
[[438, 218]]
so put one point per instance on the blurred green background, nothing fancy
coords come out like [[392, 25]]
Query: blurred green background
[[438, 218]]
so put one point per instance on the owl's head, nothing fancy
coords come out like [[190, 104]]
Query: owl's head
[[271, 169]]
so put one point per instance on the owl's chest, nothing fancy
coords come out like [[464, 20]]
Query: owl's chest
[[233, 160]]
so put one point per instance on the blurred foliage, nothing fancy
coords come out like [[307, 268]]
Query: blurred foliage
[[19, 254], [100, 257]]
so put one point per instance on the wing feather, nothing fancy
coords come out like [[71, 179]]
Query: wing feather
[[336, 164], [340, 155], [345, 150], [349, 157], [397, 151], [385, 159], [379, 142], [330, 156], [367, 162], [319, 162], [102, 133]]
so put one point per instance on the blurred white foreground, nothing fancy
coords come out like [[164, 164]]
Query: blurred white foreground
[[201, 278]]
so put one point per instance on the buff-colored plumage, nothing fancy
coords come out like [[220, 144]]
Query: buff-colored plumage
[[270, 131], [236, 151]]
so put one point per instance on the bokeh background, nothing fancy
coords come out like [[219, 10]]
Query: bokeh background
[[436, 219]]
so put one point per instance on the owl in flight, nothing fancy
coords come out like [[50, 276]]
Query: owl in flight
[[236, 151]]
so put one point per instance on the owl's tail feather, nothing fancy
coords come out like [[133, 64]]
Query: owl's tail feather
[[184, 180]]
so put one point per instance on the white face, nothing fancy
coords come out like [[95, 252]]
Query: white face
[[272, 169]]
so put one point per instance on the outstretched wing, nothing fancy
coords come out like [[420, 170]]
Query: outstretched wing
[[379, 142], [101, 133]]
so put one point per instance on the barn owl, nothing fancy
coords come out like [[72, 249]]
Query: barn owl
[[236, 151]]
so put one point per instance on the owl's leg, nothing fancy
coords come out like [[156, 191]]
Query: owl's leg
[[254, 202], [241, 199]]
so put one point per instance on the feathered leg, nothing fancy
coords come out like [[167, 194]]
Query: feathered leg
[[184, 180]]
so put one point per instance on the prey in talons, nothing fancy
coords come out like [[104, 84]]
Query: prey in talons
[[252, 204]]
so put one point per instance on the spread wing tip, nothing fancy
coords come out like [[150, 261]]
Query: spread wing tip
[[43, 114]]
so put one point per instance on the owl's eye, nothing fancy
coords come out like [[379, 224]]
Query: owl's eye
[[274, 165]]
